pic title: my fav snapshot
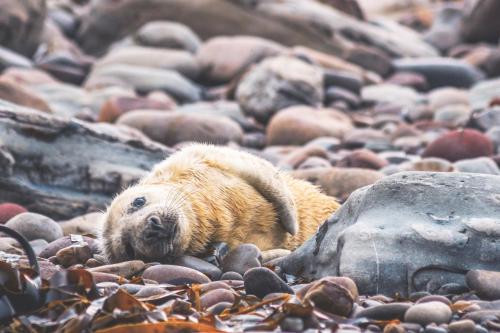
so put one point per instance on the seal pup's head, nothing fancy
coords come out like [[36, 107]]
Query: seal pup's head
[[147, 222]]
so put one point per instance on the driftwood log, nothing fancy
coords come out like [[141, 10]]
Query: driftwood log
[[63, 168]]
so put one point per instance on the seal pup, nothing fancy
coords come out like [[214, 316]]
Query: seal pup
[[203, 194]]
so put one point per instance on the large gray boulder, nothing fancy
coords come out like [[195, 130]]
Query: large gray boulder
[[408, 232], [63, 168]]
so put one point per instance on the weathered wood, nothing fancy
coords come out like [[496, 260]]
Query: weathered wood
[[63, 168]]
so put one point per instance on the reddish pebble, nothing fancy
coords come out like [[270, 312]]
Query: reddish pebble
[[9, 210], [460, 144]]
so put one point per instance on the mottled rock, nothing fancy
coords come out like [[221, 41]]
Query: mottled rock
[[174, 275], [261, 281], [427, 313], [300, 124], [53, 247], [35, 226], [335, 295], [73, 254], [171, 128], [423, 215], [277, 83], [242, 258]]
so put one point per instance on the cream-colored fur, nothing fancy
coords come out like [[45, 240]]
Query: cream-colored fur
[[215, 194]]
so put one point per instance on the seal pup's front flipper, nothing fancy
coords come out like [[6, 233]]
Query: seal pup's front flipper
[[258, 173]]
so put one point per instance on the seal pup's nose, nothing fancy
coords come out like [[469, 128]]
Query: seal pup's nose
[[155, 223]]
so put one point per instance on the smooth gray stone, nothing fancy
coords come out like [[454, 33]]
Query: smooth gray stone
[[441, 72], [407, 232]]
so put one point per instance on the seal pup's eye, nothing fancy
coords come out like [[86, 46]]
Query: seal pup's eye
[[139, 202]]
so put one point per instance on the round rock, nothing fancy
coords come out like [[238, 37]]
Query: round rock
[[212, 271], [460, 144], [175, 275], [34, 226], [429, 312], [485, 283], [242, 258], [261, 281], [9, 210]]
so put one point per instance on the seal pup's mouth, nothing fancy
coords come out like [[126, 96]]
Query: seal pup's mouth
[[157, 241]]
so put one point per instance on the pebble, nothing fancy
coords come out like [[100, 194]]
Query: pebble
[[171, 128], [390, 311], [485, 283], [9, 210], [277, 83], [298, 125], [429, 312], [260, 281], [35, 226], [176, 275], [231, 276], [335, 295], [462, 326], [216, 296], [459, 145], [74, 254], [63, 242], [212, 271], [225, 57], [167, 34], [127, 269], [241, 259]]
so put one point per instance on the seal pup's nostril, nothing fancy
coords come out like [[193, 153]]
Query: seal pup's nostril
[[155, 223]]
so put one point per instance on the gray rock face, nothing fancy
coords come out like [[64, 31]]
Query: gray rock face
[[408, 232], [62, 168]]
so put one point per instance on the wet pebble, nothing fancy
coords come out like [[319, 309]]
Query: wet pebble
[[261, 281], [429, 312], [241, 259], [385, 311], [485, 283], [216, 296], [212, 271], [174, 275], [126, 269], [35, 226]]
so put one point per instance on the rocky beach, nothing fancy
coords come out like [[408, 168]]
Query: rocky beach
[[392, 107]]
